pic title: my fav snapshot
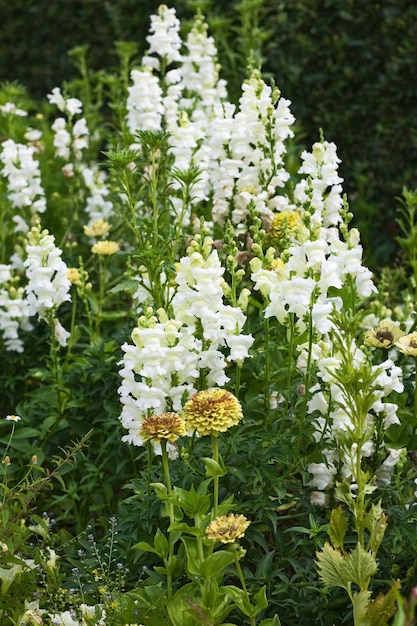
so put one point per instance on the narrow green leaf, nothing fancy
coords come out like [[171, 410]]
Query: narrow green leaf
[[337, 527]]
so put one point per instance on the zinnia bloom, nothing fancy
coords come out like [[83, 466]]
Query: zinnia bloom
[[385, 335], [408, 344], [212, 410], [98, 228], [227, 528], [105, 248], [168, 426]]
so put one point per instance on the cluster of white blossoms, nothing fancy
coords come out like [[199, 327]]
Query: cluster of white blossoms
[[169, 356], [173, 100], [71, 138], [47, 275], [339, 424], [316, 258], [249, 147], [24, 186], [14, 313], [98, 205]]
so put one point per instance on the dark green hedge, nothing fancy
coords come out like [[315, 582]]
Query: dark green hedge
[[348, 66]]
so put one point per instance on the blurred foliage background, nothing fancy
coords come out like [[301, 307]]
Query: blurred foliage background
[[349, 67]]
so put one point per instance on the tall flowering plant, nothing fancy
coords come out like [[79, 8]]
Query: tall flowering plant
[[214, 298]]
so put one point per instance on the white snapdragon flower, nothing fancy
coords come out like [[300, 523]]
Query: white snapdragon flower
[[164, 39], [11, 109], [48, 285], [385, 472], [144, 102], [323, 475], [14, 310], [98, 205], [23, 176], [70, 140], [71, 106], [67, 618]]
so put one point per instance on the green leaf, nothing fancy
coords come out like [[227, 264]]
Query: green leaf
[[160, 490], [183, 527], [161, 544], [216, 564], [359, 566], [190, 502], [146, 547], [382, 608], [193, 558], [337, 527], [376, 523], [213, 468], [261, 601], [329, 564], [271, 621], [360, 603]]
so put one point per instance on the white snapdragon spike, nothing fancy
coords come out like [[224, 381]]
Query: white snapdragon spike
[[24, 185], [250, 166], [70, 136], [199, 303], [157, 370], [144, 102], [164, 38], [164, 364], [98, 206], [318, 258], [336, 424], [14, 313], [48, 285]]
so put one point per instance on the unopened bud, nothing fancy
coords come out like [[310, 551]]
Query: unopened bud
[[7, 461]]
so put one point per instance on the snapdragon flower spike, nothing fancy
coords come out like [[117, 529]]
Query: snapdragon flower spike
[[320, 253], [48, 285], [24, 185], [14, 310], [336, 423], [71, 137], [250, 166], [164, 363]]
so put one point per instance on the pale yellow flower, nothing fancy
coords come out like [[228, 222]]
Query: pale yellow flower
[[97, 229], [105, 248], [285, 223], [227, 528], [74, 276], [385, 335], [212, 410], [408, 344], [168, 426]]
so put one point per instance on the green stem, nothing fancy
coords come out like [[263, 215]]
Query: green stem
[[415, 396], [215, 446], [165, 464], [267, 371], [290, 360], [56, 378], [242, 582], [307, 380]]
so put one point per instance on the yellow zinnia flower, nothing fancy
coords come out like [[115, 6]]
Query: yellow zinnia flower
[[97, 229], [227, 528], [212, 410], [408, 344], [385, 335], [168, 426], [105, 247]]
